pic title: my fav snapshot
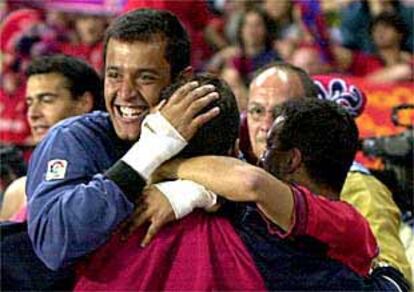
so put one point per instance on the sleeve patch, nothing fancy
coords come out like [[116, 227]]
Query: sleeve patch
[[56, 169]]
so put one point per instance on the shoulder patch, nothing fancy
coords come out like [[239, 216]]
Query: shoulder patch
[[56, 169]]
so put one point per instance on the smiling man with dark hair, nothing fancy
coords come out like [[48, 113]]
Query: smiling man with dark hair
[[86, 175]]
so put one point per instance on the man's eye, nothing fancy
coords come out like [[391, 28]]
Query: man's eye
[[147, 78], [47, 99], [112, 75], [256, 111]]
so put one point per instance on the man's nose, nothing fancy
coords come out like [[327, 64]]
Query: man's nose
[[267, 121], [128, 89], [34, 111]]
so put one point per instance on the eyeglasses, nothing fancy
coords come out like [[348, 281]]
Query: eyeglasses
[[258, 112]]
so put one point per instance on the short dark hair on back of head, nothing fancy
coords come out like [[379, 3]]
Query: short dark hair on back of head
[[326, 135], [216, 137], [147, 24], [80, 76], [309, 87]]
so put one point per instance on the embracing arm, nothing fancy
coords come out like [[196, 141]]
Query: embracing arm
[[237, 181]]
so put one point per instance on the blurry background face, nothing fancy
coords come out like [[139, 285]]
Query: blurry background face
[[253, 30], [309, 60], [385, 35], [90, 29], [57, 19], [277, 9], [49, 101]]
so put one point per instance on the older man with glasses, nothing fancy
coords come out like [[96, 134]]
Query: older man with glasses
[[274, 84]]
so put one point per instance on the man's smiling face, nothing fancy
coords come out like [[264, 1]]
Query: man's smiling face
[[135, 73]]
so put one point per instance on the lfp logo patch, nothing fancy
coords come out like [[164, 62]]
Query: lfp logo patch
[[56, 169]]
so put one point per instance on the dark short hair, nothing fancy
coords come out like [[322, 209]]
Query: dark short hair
[[326, 136], [144, 25], [394, 20], [80, 76], [309, 87], [217, 136]]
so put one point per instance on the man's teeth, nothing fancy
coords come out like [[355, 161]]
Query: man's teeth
[[129, 112]]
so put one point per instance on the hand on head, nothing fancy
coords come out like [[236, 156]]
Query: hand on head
[[183, 107]]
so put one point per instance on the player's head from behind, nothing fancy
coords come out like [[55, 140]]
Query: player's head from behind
[[312, 143], [218, 136]]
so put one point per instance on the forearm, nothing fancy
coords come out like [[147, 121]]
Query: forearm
[[218, 174], [237, 181], [399, 72]]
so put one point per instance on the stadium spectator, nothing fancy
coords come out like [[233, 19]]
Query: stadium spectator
[[288, 31], [88, 43], [255, 49], [357, 16], [389, 33], [14, 128]]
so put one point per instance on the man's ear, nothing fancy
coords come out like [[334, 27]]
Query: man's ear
[[85, 103], [295, 160]]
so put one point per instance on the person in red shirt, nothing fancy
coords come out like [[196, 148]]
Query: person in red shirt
[[14, 128], [88, 45]]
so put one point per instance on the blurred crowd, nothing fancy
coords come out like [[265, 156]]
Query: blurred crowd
[[233, 38]]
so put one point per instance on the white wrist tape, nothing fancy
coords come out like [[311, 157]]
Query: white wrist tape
[[158, 142], [184, 196]]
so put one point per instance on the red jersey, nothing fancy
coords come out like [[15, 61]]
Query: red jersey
[[198, 253], [335, 224]]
